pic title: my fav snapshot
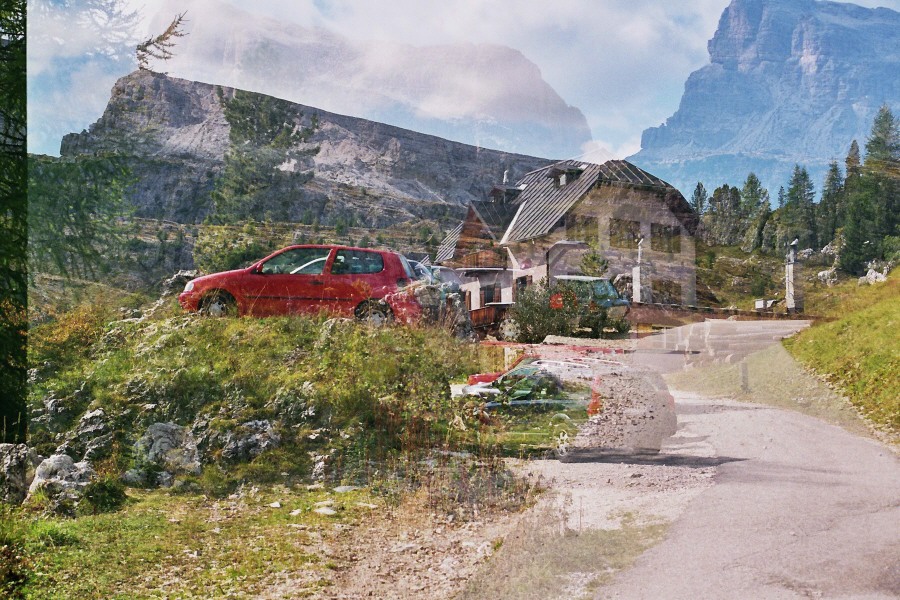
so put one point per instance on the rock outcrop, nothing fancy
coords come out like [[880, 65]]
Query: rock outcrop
[[164, 451], [61, 480], [789, 82], [16, 471], [175, 135]]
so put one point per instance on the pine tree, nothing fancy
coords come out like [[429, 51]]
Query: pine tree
[[13, 224], [831, 206], [755, 213], [853, 162], [882, 167], [753, 196], [699, 199], [859, 244], [799, 208], [722, 218], [871, 194]]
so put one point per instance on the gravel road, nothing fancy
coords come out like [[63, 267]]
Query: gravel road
[[756, 501], [796, 509]]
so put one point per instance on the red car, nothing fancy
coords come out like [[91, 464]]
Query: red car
[[351, 282]]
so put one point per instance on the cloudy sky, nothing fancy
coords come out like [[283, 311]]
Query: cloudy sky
[[623, 63]]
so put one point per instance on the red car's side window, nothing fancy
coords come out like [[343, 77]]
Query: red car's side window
[[357, 262], [299, 261]]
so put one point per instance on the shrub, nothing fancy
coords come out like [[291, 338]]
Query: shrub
[[106, 494], [540, 311]]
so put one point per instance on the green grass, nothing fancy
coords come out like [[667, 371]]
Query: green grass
[[859, 351], [774, 378], [167, 545]]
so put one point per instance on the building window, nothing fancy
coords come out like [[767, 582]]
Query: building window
[[665, 238], [624, 233], [521, 285], [489, 294], [582, 228]]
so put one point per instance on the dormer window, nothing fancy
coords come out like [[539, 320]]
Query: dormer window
[[503, 194], [563, 175]]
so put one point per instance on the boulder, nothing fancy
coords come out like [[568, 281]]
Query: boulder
[[16, 465], [62, 481]]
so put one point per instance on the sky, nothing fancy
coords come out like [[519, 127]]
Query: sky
[[623, 63]]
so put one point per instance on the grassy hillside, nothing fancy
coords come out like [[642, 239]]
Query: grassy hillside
[[859, 350], [342, 403]]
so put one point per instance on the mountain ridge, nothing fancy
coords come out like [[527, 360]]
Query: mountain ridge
[[789, 82], [482, 94], [174, 135]]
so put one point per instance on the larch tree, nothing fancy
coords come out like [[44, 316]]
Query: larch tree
[[160, 46]]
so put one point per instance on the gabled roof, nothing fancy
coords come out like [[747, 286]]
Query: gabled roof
[[543, 202], [496, 216], [448, 247]]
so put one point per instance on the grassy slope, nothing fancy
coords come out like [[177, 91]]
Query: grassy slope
[[858, 351], [380, 398]]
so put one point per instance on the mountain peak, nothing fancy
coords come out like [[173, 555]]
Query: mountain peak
[[482, 94], [789, 82]]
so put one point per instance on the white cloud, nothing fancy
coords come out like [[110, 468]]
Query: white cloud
[[622, 62]]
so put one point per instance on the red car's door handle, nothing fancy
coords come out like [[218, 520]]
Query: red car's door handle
[[314, 282]]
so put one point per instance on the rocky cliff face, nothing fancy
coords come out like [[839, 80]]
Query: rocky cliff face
[[481, 94], [176, 135], [789, 81]]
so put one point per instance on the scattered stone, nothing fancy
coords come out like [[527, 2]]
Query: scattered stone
[[296, 512], [343, 489], [324, 510], [872, 277], [175, 284], [275, 504], [828, 276]]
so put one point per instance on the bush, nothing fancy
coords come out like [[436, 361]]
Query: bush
[[106, 494], [540, 311]]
